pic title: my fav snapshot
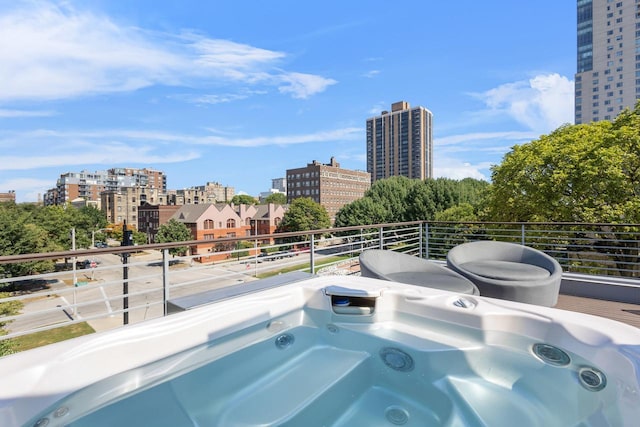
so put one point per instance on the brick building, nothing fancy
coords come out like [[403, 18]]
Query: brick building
[[327, 184]]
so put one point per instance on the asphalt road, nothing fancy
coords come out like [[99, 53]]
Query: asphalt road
[[98, 297]]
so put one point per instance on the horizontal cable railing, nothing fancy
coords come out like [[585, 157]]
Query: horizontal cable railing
[[125, 284]]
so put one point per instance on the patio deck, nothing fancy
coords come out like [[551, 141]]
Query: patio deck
[[619, 311]]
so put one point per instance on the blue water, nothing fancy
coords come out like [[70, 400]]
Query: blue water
[[341, 375]]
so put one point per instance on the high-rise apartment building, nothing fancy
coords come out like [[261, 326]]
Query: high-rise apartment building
[[400, 143], [327, 184], [608, 74]]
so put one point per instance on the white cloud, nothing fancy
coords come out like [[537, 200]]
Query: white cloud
[[456, 169], [25, 113], [477, 136], [377, 108], [371, 74], [302, 86], [85, 154], [542, 103], [26, 188], [69, 148], [54, 51]]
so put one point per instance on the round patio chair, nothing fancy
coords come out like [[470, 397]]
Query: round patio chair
[[508, 271], [404, 268]]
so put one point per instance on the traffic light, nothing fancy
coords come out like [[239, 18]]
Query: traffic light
[[127, 238]]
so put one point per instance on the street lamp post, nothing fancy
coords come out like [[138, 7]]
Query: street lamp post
[[75, 276]]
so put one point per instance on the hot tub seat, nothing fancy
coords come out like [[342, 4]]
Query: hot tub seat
[[403, 268], [508, 271]]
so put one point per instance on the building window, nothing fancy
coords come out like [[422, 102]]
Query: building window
[[231, 223], [208, 224]]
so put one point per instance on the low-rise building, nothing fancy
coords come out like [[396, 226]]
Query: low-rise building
[[151, 217], [210, 221]]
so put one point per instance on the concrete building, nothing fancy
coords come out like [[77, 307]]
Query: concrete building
[[123, 204], [211, 192], [400, 143], [608, 64], [89, 185], [9, 196], [327, 184], [279, 184]]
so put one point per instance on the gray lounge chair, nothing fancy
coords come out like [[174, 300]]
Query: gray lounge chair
[[403, 268], [508, 271]]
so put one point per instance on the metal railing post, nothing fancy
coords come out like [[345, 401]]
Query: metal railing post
[[312, 261], [165, 280], [522, 234], [426, 239], [381, 237]]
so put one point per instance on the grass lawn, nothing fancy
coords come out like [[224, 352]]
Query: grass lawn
[[318, 265], [51, 336]]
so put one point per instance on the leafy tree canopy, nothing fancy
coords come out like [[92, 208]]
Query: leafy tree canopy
[[174, 231], [243, 199], [304, 214], [27, 228], [399, 199], [276, 198], [578, 173]]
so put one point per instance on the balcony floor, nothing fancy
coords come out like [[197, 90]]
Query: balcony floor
[[622, 312]]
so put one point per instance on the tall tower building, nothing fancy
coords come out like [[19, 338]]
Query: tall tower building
[[400, 143], [608, 75]]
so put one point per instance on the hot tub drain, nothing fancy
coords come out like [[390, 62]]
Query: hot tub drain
[[551, 354], [396, 415], [396, 359]]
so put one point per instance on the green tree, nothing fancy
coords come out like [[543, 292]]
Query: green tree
[[363, 211], [243, 199], [304, 214], [400, 199], [276, 199], [391, 194], [19, 235], [463, 212], [587, 173], [174, 231], [578, 173]]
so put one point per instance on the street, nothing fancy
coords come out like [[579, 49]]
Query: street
[[98, 296]]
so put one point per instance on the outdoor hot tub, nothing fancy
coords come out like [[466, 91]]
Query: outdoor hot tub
[[336, 351]]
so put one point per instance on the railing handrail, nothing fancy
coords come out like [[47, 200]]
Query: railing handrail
[[7, 259]]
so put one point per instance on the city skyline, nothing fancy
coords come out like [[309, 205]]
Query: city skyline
[[238, 94]]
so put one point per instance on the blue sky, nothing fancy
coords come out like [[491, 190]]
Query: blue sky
[[239, 92]]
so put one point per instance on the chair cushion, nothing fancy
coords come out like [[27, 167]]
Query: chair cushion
[[506, 270]]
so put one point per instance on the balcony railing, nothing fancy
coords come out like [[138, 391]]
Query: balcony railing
[[121, 285]]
